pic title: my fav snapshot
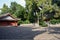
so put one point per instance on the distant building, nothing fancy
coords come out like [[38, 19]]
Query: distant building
[[8, 20]]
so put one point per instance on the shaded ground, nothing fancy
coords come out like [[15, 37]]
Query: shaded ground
[[29, 33], [53, 34], [18, 33]]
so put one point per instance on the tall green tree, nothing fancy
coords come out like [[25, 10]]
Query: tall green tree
[[4, 9], [32, 7], [13, 7], [18, 11], [50, 8]]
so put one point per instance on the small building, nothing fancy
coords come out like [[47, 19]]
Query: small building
[[8, 20]]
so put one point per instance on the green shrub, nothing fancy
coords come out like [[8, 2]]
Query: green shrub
[[43, 24], [23, 22], [20, 22], [26, 22], [54, 21]]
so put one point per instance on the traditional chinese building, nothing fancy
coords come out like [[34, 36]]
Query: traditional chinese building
[[8, 20]]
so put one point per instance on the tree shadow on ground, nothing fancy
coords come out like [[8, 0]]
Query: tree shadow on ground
[[19, 33], [56, 30]]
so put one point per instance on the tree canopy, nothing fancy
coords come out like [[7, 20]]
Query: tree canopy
[[34, 9]]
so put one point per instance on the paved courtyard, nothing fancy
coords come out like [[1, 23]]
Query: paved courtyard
[[18, 33], [29, 33]]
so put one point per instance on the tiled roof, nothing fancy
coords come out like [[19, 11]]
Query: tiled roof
[[2, 17]]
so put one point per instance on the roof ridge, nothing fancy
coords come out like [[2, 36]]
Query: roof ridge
[[7, 14]]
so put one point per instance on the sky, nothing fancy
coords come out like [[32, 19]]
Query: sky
[[7, 2]]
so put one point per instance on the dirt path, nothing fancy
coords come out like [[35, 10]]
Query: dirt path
[[46, 36]]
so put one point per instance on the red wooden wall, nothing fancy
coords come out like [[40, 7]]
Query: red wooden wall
[[8, 23]]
